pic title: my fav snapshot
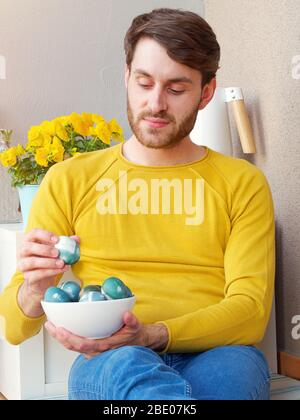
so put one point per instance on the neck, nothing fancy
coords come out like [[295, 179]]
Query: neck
[[184, 152]]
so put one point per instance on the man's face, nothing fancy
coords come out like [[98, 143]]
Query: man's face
[[163, 96]]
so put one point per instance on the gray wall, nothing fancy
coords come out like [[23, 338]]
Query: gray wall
[[64, 56], [260, 40]]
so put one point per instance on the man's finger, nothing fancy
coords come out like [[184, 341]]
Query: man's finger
[[41, 236], [77, 238], [131, 320]]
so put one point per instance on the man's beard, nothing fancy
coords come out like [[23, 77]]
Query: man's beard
[[156, 138]]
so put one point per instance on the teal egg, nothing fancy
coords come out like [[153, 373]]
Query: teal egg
[[69, 250], [114, 288], [56, 295], [92, 297], [129, 292], [72, 289], [91, 288]]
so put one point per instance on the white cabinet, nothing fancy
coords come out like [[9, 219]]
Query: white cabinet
[[39, 367]]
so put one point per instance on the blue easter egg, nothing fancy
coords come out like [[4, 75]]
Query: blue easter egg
[[91, 288], [92, 297], [56, 295], [114, 288], [129, 292], [69, 250], [72, 289]]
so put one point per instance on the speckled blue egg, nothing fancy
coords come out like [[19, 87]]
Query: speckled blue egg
[[114, 288], [92, 297], [91, 288], [69, 250], [72, 289], [56, 295]]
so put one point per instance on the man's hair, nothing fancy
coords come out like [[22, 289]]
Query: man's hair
[[187, 38]]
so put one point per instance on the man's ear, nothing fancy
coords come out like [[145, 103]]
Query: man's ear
[[127, 75], [208, 93]]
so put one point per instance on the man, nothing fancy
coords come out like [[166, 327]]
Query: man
[[189, 230]]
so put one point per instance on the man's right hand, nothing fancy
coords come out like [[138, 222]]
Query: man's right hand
[[39, 263]]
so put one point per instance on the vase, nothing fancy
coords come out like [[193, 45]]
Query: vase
[[26, 196]]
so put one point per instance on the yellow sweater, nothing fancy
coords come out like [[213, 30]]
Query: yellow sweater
[[194, 242]]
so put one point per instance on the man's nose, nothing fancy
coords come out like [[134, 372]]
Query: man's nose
[[157, 101]]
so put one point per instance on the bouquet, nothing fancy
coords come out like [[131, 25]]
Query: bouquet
[[57, 140]]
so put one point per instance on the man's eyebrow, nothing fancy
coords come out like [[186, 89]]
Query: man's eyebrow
[[174, 80]]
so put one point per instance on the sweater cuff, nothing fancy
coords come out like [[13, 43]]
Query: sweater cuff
[[16, 326], [167, 348]]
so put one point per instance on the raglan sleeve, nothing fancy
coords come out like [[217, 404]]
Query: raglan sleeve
[[242, 316], [52, 211]]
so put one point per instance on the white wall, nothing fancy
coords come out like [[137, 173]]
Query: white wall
[[64, 56], [260, 43]]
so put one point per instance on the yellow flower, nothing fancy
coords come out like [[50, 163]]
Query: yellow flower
[[8, 157], [97, 119], [80, 126], [35, 137], [92, 132], [46, 139], [116, 130], [61, 132], [57, 150], [41, 156], [64, 120], [88, 119], [103, 132], [48, 127]]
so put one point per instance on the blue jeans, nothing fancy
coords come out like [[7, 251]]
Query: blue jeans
[[139, 373]]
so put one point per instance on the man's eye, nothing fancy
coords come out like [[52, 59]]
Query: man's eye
[[176, 92], [144, 86]]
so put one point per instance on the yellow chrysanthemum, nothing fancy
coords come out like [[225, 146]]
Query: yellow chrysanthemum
[[8, 157], [116, 130]]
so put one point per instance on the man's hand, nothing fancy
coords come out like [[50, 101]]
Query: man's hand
[[133, 333], [39, 262]]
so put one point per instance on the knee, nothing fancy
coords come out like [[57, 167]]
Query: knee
[[114, 360], [230, 373], [246, 372], [128, 356]]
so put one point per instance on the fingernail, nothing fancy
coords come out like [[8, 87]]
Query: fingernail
[[53, 239]]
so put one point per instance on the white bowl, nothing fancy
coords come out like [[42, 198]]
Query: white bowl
[[89, 319]]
